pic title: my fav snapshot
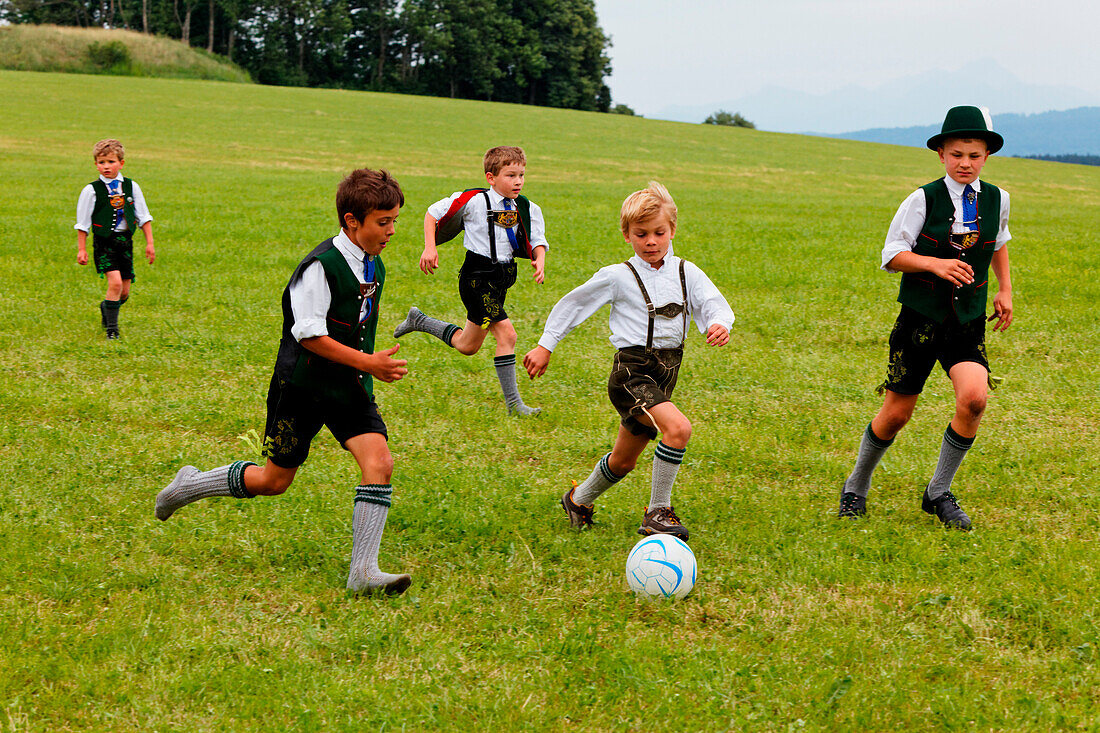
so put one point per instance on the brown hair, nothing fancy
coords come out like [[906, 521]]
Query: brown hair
[[365, 190], [645, 204], [110, 146], [502, 155]]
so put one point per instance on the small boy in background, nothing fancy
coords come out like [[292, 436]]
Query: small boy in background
[[111, 208], [323, 377], [650, 340], [500, 225], [944, 239]]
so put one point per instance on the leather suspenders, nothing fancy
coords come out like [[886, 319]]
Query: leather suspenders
[[669, 310], [492, 227]]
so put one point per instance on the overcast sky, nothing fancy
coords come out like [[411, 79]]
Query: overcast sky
[[700, 51]]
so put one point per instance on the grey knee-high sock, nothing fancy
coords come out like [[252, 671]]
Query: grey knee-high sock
[[109, 312], [666, 464], [506, 373], [372, 505], [871, 450], [600, 480], [190, 485], [418, 321], [952, 452]]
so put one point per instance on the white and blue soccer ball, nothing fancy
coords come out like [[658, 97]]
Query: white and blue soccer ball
[[662, 566]]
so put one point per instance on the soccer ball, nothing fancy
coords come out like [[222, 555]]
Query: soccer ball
[[662, 566]]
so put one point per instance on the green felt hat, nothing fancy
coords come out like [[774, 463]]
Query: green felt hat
[[965, 122]]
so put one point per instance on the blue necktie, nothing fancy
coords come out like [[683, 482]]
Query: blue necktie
[[368, 276], [970, 209], [511, 234], [115, 190]]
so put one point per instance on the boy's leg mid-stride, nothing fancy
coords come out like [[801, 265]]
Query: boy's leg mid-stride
[[659, 515]]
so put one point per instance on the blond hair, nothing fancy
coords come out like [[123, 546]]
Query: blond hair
[[502, 155], [110, 146], [646, 204]]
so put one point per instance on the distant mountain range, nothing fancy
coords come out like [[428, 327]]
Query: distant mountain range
[[1071, 132], [923, 98]]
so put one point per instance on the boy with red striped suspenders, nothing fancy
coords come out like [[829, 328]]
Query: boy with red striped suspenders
[[500, 226]]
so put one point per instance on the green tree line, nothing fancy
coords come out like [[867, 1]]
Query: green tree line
[[550, 53]]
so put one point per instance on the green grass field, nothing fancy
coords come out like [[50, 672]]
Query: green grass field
[[233, 615]]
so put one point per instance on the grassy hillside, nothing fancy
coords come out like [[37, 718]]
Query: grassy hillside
[[232, 615], [114, 52]]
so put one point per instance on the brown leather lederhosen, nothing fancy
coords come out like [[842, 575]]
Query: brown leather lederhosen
[[644, 376]]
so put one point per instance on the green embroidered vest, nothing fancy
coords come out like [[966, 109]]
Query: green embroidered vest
[[103, 214], [301, 367], [933, 296]]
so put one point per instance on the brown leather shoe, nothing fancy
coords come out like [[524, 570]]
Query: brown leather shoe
[[580, 515], [663, 520]]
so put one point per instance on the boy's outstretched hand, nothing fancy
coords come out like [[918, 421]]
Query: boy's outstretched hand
[[1002, 311], [536, 360], [429, 260], [717, 335], [539, 263], [383, 366]]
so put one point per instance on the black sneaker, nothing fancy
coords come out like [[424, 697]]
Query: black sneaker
[[663, 520], [851, 505], [580, 515], [947, 510], [112, 333]]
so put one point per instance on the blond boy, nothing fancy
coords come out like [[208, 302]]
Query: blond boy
[[652, 295]]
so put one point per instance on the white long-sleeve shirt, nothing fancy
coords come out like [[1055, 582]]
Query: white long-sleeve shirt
[[310, 296], [475, 224], [910, 217], [86, 204], [629, 320]]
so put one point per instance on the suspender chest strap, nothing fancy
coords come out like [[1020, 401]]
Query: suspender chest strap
[[668, 310]]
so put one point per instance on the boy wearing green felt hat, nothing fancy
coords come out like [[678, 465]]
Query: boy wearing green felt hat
[[945, 238]]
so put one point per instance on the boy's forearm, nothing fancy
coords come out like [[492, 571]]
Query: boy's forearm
[[429, 230], [329, 348], [147, 230], [1001, 270], [81, 240], [911, 262]]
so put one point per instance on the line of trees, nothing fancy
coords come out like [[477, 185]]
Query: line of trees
[[550, 53]]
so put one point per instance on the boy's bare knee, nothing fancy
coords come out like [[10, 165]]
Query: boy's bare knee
[[678, 432], [467, 349], [505, 335], [972, 407], [380, 467]]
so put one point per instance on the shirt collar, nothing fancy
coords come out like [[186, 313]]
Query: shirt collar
[[348, 247], [956, 188], [112, 180], [638, 262]]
